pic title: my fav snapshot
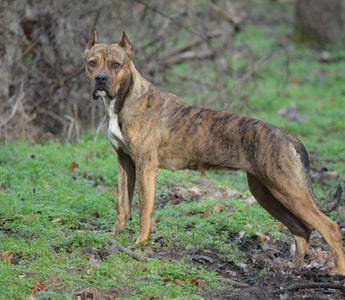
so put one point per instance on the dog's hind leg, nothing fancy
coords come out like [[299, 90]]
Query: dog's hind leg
[[300, 230], [295, 194], [126, 172]]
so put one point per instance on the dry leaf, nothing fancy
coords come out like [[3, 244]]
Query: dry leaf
[[179, 282], [250, 201], [39, 287], [217, 208], [73, 166], [202, 285], [6, 256], [241, 234], [206, 213], [31, 218], [95, 263], [261, 236], [189, 246], [56, 220], [196, 191]]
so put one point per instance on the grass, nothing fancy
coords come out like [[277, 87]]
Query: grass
[[57, 201]]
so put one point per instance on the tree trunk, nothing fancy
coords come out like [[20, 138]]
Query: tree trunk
[[319, 21]]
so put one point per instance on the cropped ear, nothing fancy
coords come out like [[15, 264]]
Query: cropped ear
[[126, 45], [90, 44]]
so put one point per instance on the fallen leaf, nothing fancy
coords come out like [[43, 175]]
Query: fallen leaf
[[199, 282], [194, 190], [31, 218], [189, 246], [39, 287], [261, 236], [179, 282], [86, 174], [73, 166], [281, 227], [56, 220], [206, 213], [241, 234], [217, 208], [149, 251], [6, 256], [101, 188], [158, 219], [202, 259], [95, 263], [250, 201]]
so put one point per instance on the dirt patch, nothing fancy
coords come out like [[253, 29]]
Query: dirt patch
[[265, 273]]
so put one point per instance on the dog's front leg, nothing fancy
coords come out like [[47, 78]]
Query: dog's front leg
[[147, 178], [126, 173]]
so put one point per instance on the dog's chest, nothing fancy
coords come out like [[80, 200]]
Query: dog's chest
[[114, 132]]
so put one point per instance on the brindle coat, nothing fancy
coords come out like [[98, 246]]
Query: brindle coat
[[150, 129]]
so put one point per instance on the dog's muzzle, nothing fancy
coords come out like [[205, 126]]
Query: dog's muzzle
[[101, 87]]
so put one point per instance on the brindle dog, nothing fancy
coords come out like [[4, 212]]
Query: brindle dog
[[151, 129]]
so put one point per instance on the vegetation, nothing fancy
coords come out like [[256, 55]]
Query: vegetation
[[57, 201]]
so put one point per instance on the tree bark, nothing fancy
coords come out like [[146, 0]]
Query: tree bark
[[319, 21]]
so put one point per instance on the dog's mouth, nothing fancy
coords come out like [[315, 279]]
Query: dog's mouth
[[102, 93]]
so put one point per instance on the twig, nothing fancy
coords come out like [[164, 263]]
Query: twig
[[188, 56], [115, 247], [100, 126], [192, 44], [76, 123], [70, 128], [15, 108], [237, 284], [315, 285]]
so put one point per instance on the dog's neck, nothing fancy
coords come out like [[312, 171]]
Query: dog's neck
[[139, 86], [133, 88]]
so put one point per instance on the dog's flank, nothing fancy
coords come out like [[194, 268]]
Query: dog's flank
[[150, 129]]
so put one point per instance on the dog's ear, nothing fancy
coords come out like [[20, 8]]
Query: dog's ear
[[125, 44], [90, 44]]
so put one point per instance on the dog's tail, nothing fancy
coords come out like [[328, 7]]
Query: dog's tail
[[330, 205]]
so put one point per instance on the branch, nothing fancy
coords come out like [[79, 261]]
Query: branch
[[229, 16], [15, 108], [188, 56], [192, 44], [116, 247], [237, 284], [315, 285]]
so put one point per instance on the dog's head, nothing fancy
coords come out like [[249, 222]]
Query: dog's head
[[108, 66]]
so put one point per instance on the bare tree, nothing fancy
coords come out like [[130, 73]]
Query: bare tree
[[42, 86]]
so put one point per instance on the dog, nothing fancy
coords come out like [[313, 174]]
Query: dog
[[150, 129]]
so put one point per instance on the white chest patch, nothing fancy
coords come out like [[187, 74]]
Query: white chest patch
[[114, 132]]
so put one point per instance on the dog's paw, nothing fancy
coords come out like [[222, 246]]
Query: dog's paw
[[142, 240]]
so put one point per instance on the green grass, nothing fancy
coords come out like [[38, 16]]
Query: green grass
[[57, 201]]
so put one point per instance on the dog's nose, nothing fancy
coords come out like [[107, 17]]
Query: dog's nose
[[101, 78]]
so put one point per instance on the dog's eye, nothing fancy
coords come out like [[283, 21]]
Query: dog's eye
[[115, 65], [92, 63]]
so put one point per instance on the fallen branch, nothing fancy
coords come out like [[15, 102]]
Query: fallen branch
[[237, 284], [315, 285], [116, 247]]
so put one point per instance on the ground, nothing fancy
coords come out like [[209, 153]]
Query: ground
[[264, 273]]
